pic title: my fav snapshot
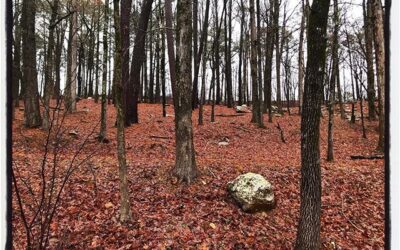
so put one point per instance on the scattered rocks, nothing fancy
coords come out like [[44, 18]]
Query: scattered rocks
[[252, 192]]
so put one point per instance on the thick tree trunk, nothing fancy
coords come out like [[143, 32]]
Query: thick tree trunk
[[32, 116], [185, 164], [125, 210], [308, 234], [259, 68], [380, 66], [138, 57]]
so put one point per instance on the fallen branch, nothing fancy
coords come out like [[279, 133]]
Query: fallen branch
[[160, 137], [367, 157], [233, 115]]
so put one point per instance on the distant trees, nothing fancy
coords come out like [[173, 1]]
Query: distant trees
[[308, 234]]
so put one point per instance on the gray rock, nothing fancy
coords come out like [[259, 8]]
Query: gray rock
[[242, 109], [252, 192]]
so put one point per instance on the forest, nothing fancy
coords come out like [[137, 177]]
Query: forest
[[203, 124]]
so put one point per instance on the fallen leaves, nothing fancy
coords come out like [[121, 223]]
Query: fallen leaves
[[170, 215]]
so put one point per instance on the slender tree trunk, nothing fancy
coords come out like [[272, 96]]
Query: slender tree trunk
[[103, 125], [253, 64], [380, 66], [259, 68], [242, 23], [48, 82], [96, 92], [308, 234], [163, 64], [198, 54], [138, 58], [185, 164], [334, 79], [126, 6], [195, 96], [70, 87], [369, 49], [125, 210], [269, 51], [16, 67], [301, 57], [32, 116], [278, 57]]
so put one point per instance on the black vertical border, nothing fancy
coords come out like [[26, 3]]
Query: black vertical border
[[9, 20], [388, 5]]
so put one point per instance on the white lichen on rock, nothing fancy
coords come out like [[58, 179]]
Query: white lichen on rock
[[253, 192]]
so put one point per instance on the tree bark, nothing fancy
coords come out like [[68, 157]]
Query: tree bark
[[70, 87], [125, 210], [253, 65], [32, 118], [301, 58], [308, 234], [185, 165], [138, 57], [103, 125], [369, 49], [380, 66]]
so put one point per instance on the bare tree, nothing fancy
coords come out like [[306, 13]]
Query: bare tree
[[308, 234], [185, 163]]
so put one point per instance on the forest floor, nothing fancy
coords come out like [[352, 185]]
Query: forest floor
[[169, 215]]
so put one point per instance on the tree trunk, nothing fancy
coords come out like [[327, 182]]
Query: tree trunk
[[138, 57], [253, 64], [195, 96], [308, 234], [301, 57], [48, 82], [32, 116], [369, 49], [70, 87], [269, 51], [334, 79], [380, 66], [163, 64], [185, 164], [198, 54], [16, 67], [278, 57], [125, 210], [126, 6], [259, 69], [242, 23], [103, 125]]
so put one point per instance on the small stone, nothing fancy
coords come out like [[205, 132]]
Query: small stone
[[223, 143]]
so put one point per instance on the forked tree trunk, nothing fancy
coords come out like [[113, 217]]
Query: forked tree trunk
[[308, 234]]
